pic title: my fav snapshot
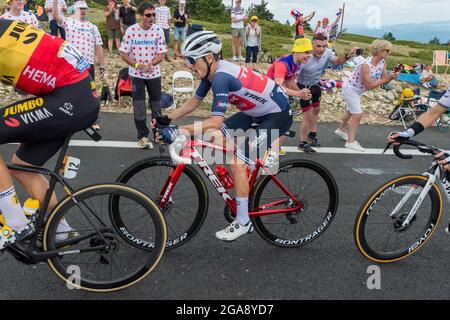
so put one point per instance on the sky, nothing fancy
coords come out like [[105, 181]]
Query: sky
[[372, 13]]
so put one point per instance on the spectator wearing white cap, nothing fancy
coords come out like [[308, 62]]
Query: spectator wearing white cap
[[16, 12], [82, 34], [180, 18]]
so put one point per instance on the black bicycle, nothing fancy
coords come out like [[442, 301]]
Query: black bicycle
[[402, 214], [95, 255]]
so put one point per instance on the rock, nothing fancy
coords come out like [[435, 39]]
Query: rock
[[389, 96]]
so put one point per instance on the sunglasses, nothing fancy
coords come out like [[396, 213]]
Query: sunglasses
[[190, 61], [150, 15], [388, 51]]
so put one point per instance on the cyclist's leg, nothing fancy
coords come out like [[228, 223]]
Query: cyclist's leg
[[33, 154], [270, 128], [238, 167], [9, 204], [41, 124]]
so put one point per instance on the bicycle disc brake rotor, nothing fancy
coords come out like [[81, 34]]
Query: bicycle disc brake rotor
[[109, 240], [291, 216], [398, 223]]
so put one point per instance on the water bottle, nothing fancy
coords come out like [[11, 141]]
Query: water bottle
[[224, 177]]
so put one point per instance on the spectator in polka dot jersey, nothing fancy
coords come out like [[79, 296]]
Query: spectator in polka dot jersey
[[84, 36], [143, 48], [163, 20], [16, 12]]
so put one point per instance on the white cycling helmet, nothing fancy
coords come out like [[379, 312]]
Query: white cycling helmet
[[201, 43]]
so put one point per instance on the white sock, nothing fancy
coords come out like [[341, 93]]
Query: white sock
[[242, 211], [62, 230], [12, 210]]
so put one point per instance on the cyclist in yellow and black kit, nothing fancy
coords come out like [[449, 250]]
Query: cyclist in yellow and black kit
[[65, 102]]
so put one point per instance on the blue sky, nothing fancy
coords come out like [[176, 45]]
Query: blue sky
[[360, 12]]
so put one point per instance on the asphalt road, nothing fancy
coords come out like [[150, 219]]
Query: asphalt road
[[250, 268]]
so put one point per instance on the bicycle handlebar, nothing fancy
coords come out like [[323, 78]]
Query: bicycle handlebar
[[419, 145], [175, 148]]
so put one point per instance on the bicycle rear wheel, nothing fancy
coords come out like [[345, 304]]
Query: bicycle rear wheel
[[313, 186], [381, 237], [94, 255]]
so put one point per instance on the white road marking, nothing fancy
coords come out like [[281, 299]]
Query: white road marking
[[134, 145], [348, 151], [107, 144]]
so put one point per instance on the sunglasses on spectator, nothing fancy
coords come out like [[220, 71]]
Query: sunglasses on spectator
[[150, 15], [388, 51]]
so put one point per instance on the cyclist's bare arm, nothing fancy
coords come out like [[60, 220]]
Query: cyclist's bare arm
[[190, 105], [212, 123]]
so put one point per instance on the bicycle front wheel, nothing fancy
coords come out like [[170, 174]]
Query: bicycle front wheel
[[93, 254], [185, 210], [313, 186], [381, 233]]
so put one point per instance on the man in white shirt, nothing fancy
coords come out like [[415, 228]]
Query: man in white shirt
[[54, 28], [163, 20], [237, 30], [16, 12]]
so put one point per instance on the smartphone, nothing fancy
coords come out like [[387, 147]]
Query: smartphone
[[359, 52], [397, 68]]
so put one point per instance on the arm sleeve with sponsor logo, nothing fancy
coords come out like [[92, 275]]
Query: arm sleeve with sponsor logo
[[222, 84], [445, 100]]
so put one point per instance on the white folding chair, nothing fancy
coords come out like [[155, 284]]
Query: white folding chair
[[175, 89]]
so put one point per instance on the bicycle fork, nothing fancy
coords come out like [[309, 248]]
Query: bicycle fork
[[412, 213]]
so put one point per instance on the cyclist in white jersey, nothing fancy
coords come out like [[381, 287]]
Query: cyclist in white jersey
[[426, 120], [260, 100]]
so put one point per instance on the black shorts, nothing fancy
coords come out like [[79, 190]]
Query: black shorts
[[40, 124], [316, 91], [268, 128]]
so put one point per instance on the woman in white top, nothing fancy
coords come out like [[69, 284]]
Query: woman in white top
[[252, 36], [368, 75]]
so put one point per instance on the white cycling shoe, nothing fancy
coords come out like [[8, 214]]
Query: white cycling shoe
[[234, 231]]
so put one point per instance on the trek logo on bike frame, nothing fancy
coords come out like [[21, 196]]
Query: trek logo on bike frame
[[211, 175]]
